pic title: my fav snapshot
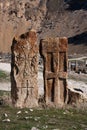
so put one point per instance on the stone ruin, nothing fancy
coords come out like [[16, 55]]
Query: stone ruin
[[54, 52], [24, 70]]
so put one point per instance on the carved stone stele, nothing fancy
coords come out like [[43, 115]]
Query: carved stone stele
[[54, 52], [24, 70]]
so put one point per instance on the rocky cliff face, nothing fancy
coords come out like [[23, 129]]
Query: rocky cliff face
[[50, 18], [17, 17], [67, 19]]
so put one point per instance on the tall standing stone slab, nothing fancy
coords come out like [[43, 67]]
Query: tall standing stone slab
[[54, 52], [24, 70]]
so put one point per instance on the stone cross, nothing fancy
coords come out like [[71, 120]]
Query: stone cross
[[24, 70], [54, 52]]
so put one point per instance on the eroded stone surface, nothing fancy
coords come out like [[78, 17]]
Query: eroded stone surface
[[54, 51], [24, 69]]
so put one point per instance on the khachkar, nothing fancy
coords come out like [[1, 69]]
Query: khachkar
[[54, 52], [24, 70]]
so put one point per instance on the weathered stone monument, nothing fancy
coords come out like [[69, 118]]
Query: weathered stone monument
[[54, 52], [24, 70]]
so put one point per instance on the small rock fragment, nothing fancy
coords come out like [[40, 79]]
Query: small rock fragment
[[34, 128], [5, 114], [6, 120], [26, 118], [19, 112], [26, 112], [31, 110]]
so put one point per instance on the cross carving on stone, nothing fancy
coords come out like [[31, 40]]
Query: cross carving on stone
[[54, 52], [24, 68], [29, 88]]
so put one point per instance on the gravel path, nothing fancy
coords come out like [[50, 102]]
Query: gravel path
[[5, 67], [5, 86]]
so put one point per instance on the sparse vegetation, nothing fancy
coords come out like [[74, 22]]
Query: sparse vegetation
[[45, 119], [4, 76], [4, 93]]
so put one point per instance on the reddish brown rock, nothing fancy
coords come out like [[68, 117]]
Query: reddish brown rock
[[74, 98], [24, 70], [54, 51]]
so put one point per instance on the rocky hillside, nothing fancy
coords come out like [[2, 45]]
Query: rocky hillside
[[70, 20], [17, 17], [48, 17]]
